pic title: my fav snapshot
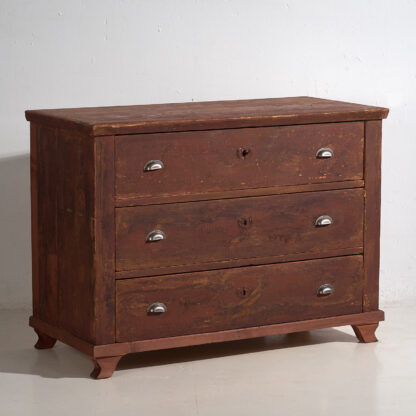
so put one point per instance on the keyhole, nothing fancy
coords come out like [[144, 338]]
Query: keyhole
[[245, 222], [244, 292], [243, 152]]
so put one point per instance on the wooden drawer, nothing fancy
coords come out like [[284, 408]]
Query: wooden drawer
[[241, 228], [199, 162], [237, 298]]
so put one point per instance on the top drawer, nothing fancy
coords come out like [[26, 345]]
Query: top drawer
[[198, 162]]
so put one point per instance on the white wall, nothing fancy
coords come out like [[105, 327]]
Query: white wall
[[109, 52]]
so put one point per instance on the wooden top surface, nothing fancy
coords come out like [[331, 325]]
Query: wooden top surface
[[99, 121]]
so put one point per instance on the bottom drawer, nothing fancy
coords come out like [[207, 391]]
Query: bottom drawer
[[237, 298]]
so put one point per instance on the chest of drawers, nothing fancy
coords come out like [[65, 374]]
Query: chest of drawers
[[170, 225]]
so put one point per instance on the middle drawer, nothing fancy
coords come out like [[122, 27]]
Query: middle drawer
[[241, 228]]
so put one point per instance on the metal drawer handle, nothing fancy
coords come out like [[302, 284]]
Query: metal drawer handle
[[323, 221], [157, 307], [324, 153], [155, 235], [153, 165], [325, 290]]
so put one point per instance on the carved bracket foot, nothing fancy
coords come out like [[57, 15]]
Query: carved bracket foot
[[104, 367], [44, 341], [365, 333]]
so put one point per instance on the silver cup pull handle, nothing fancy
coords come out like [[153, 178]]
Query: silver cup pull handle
[[324, 153], [155, 235], [325, 290], [323, 221], [157, 307], [153, 165]]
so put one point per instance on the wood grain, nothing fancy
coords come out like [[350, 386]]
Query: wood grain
[[236, 159], [237, 199], [101, 121], [372, 214], [226, 264], [76, 235], [128, 201], [104, 241], [34, 214], [366, 333], [243, 228], [237, 334], [45, 184], [62, 335], [44, 341], [109, 350], [104, 367], [236, 298], [72, 182], [87, 289]]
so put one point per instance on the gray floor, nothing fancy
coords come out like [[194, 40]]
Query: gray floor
[[324, 372]]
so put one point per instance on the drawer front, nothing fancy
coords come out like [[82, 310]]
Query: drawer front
[[237, 298], [241, 228], [222, 160]]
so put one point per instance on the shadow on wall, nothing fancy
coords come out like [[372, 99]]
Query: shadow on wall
[[15, 255]]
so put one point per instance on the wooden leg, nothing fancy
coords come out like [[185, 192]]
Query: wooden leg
[[365, 333], [44, 341], [104, 367]]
